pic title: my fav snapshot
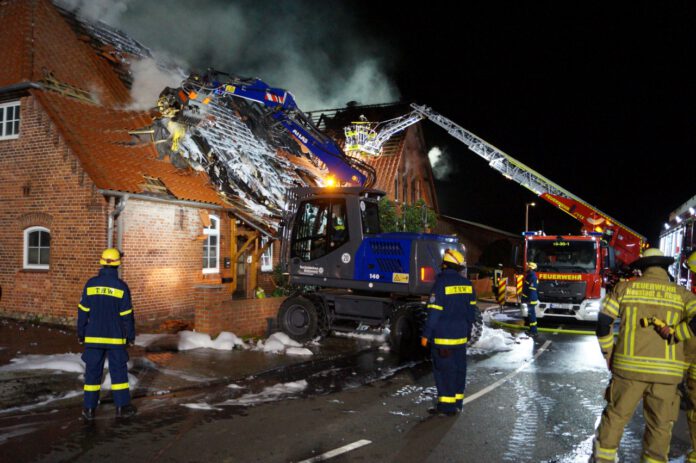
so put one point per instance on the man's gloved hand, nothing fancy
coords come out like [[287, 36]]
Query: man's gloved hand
[[131, 342], [424, 341], [665, 332], [80, 340]]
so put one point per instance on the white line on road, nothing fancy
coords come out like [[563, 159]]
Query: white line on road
[[338, 451], [488, 389]]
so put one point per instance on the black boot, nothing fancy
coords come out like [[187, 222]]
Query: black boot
[[89, 413], [126, 411]]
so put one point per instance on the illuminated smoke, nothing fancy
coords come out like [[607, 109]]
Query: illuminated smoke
[[440, 163], [317, 50]]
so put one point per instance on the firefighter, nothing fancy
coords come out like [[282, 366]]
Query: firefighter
[[105, 325], [451, 313], [530, 296], [643, 363]]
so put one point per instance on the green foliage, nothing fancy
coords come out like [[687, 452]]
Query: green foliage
[[280, 280], [416, 218]]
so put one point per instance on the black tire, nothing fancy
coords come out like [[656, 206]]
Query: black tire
[[476, 329], [405, 331], [297, 317]]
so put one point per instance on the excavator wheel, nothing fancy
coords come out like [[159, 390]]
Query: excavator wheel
[[297, 317], [404, 332]]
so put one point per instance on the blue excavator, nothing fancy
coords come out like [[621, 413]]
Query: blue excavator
[[347, 274]]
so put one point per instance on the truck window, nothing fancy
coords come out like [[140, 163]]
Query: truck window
[[566, 256], [321, 226]]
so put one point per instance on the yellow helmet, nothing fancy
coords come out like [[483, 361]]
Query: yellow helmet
[[691, 262], [110, 257], [455, 257], [532, 265]]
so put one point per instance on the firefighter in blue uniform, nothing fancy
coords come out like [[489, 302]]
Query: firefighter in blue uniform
[[105, 325], [451, 313], [530, 296]]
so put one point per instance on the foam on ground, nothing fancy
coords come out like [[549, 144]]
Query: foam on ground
[[57, 362], [192, 340], [269, 394]]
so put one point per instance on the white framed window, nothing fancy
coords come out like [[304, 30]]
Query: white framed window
[[211, 246], [267, 256], [37, 248], [9, 120]]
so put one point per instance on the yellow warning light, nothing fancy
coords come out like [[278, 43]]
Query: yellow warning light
[[330, 181], [598, 229]]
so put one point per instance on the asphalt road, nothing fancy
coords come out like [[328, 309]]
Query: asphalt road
[[538, 402]]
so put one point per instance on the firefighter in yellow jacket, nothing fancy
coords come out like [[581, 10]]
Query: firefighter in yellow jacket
[[643, 363], [690, 353]]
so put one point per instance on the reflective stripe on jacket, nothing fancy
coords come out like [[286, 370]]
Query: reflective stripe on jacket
[[451, 311], [640, 353], [105, 315]]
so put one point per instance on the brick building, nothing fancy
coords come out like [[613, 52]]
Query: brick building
[[78, 174]]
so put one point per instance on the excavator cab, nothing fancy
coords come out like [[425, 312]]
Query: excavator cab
[[333, 239]]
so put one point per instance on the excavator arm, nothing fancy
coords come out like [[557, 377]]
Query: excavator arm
[[186, 105]]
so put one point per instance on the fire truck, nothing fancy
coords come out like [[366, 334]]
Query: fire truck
[[574, 270]]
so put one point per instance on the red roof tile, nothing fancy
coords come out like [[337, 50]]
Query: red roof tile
[[99, 137]]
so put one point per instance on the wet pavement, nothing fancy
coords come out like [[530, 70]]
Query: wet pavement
[[537, 401]]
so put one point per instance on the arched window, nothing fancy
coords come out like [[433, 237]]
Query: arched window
[[37, 248], [211, 246]]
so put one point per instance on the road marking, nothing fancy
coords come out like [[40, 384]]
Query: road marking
[[488, 389], [338, 451]]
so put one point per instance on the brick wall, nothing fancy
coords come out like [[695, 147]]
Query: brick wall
[[215, 312], [163, 257], [42, 184]]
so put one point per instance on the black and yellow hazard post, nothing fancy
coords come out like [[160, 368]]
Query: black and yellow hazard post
[[497, 277], [502, 290], [519, 282]]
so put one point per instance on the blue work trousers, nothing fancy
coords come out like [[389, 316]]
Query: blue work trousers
[[449, 370], [94, 368]]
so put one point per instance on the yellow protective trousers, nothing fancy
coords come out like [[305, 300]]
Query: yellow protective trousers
[[660, 410]]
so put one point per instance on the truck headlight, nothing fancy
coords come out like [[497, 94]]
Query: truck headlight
[[592, 306]]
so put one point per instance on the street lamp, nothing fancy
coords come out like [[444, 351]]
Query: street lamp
[[526, 215]]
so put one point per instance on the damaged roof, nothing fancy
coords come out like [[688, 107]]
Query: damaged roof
[[236, 160]]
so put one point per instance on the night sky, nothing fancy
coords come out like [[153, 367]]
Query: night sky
[[599, 100], [595, 95]]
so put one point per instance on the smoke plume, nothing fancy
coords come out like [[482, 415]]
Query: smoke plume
[[441, 163], [317, 50]]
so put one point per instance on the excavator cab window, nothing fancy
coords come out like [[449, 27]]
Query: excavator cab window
[[321, 227], [369, 212]]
